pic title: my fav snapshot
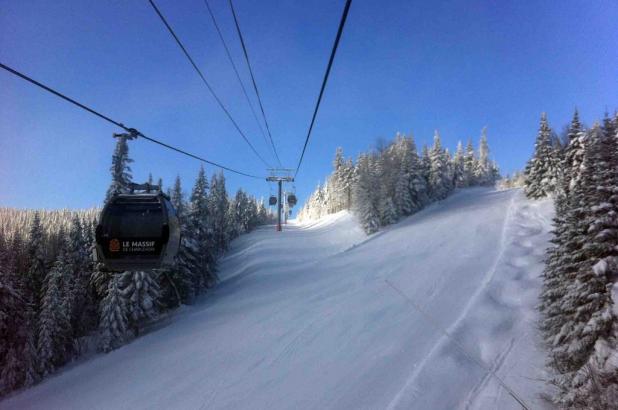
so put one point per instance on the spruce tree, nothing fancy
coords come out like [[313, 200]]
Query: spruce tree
[[13, 331], [597, 378], [439, 184], [120, 169], [542, 169], [582, 316], [218, 205], [80, 299], [483, 172], [365, 200], [181, 274], [54, 333], [573, 154], [458, 166], [403, 200], [469, 167], [201, 234], [114, 323], [141, 293], [36, 262]]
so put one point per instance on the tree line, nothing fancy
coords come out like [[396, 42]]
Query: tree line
[[577, 303], [396, 181], [57, 304]]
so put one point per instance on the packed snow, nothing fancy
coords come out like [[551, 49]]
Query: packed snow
[[435, 312]]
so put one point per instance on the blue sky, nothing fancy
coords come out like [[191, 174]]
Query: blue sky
[[406, 66]]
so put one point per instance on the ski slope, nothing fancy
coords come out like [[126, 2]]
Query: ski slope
[[421, 315]]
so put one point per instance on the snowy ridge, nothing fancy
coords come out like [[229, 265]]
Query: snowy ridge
[[305, 319]]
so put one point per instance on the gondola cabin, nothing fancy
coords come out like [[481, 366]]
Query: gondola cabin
[[137, 232], [272, 200], [291, 200]]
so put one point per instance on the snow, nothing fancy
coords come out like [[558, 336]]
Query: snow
[[417, 316], [600, 267]]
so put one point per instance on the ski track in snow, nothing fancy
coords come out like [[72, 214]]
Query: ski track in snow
[[306, 319]]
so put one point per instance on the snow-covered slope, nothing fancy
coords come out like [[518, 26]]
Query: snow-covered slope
[[323, 317]]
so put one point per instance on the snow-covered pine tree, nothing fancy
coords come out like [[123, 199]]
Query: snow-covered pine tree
[[219, 203], [450, 174], [388, 212], [114, 323], [389, 164], [11, 325], [365, 200], [13, 331], [469, 165], [54, 330], [584, 311], [120, 169], [597, 378], [36, 262], [349, 176], [177, 283], [199, 225], [542, 169], [252, 215], [242, 212], [439, 184], [573, 154], [83, 309], [262, 213], [483, 168], [337, 182], [21, 363], [404, 203], [141, 293], [458, 166]]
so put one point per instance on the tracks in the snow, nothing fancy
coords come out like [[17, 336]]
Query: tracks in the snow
[[504, 288]]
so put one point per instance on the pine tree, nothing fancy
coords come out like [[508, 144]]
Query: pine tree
[[364, 196], [54, 336], [140, 291], [12, 325], [578, 310], [573, 154], [338, 182], [36, 262], [201, 235], [483, 170], [177, 282], [218, 205], [80, 299], [404, 203], [388, 212], [439, 184], [597, 378], [469, 167], [458, 166], [120, 169], [114, 317], [542, 170]]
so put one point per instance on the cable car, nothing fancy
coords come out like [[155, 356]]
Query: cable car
[[272, 200], [291, 199], [137, 231]]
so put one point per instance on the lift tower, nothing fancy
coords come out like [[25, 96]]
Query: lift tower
[[280, 175]]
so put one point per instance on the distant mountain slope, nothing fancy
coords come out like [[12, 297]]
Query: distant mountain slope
[[322, 316]]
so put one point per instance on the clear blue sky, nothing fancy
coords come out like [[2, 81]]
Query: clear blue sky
[[404, 66]]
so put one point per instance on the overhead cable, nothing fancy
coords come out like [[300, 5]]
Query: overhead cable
[[132, 131]]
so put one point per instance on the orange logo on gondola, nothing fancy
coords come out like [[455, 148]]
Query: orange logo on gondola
[[114, 245]]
